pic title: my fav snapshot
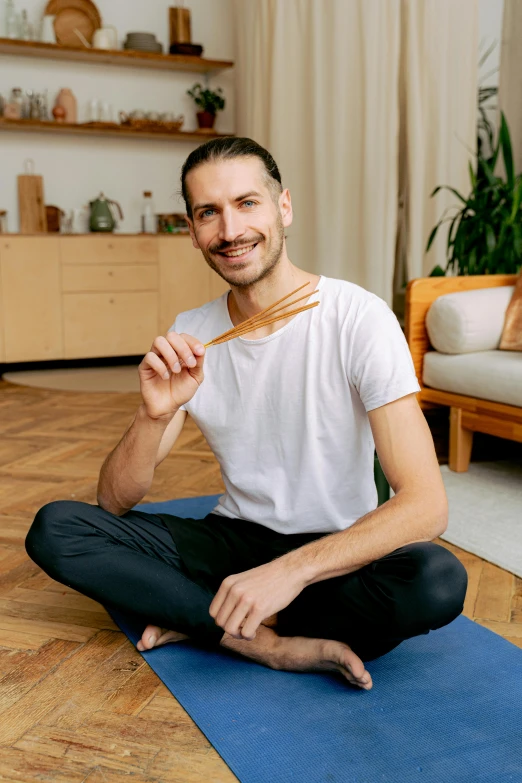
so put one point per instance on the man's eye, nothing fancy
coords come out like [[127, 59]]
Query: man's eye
[[246, 203], [206, 212]]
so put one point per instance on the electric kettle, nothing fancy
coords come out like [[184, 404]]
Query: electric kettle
[[103, 216]]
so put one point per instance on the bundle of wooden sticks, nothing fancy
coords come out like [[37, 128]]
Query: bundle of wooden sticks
[[265, 317]]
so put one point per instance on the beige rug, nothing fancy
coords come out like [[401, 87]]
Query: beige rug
[[84, 379], [485, 512]]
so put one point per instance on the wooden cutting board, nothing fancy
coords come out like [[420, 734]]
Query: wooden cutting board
[[33, 218]]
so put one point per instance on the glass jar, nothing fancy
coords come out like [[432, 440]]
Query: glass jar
[[12, 20], [148, 215]]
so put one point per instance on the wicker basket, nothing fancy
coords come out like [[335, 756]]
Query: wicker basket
[[153, 125]]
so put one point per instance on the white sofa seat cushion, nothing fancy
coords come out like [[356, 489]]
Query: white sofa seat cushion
[[489, 375], [468, 321]]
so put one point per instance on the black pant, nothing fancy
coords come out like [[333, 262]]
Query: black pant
[[132, 563]]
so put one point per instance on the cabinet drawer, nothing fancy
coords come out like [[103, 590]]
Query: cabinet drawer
[[121, 324], [109, 249], [125, 277]]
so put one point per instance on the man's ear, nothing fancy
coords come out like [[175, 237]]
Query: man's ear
[[285, 206], [190, 224]]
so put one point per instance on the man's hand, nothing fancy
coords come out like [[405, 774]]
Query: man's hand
[[244, 600]]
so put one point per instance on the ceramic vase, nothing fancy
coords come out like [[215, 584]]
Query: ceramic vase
[[67, 101]]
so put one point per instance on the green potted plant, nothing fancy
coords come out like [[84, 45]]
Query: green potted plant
[[485, 233], [209, 101]]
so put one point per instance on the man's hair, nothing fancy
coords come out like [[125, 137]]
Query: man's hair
[[227, 148]]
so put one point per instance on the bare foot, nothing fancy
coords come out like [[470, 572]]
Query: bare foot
[[154, 636], [299, 653]]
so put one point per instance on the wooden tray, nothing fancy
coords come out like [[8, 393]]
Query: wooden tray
[[69, 14]]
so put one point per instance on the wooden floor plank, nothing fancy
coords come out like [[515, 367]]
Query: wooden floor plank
[[50, 614], [61, 600], [494, 593], [60, 688], [134, 695], [31, 670], [89, 749], [93, 693], [26, 767]]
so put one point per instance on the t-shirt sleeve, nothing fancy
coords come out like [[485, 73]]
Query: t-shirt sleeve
[[380, 366]]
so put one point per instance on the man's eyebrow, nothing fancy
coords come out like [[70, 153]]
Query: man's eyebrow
[[238, 198]]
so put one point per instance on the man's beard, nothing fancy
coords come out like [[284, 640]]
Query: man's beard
[[270, 261]]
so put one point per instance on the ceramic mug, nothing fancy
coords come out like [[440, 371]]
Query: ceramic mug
[[47, 34], [105, 38]]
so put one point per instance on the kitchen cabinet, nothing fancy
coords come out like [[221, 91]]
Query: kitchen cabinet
[[184, 280], [109, 324], [31, 298], [87, 296]]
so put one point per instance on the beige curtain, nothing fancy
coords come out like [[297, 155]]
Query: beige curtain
[[439, 80], [318, 84], [510, 83], [316, 81]]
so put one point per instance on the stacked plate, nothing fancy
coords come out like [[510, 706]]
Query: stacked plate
[[142, 42]]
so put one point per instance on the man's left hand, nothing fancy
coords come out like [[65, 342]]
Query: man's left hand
[[244, 600]]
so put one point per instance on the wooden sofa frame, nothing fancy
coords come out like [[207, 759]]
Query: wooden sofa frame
[[467, 414]]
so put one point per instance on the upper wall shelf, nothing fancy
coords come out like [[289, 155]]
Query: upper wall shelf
[[119, 131], [164, 62]]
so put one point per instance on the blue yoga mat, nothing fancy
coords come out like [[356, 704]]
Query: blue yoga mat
[[445, 708]]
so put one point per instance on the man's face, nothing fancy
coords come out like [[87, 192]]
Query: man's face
[[236, 222]]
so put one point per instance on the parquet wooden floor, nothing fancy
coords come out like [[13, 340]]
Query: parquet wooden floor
[[77, 702]]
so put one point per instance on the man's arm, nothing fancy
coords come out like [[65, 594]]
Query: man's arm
[[165, 386], [128, 471], [417, 512]]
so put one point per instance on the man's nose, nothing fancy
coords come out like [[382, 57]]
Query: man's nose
[[231, 226]]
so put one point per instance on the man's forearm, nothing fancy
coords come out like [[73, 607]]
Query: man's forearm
[[127, 473], [402, 520]]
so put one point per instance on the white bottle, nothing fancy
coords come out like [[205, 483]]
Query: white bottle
[[148, 215]]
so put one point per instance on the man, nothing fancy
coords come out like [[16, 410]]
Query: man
[[295, 567]]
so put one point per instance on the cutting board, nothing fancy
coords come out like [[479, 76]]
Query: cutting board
[[33, 219]]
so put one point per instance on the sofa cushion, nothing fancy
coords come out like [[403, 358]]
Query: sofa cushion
[[512, 333], [468, 321], [489, 375]]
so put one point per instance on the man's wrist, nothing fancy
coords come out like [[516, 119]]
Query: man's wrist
[[161, 421], [299, 567]]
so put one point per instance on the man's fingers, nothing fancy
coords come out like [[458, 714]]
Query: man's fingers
[[165, 351], [235, 621], [196, 346], [155, 363], [189, 350], [250, 626], [227, 608]]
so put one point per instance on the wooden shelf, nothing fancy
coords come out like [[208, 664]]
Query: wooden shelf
[[119, 131], [167, 62]]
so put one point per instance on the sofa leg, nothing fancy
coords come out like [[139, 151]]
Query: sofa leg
[[461, 441]]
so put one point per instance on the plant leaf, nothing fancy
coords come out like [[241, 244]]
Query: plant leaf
[[507, 153]]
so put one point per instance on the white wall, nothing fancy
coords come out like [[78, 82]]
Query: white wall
[[76, 169]]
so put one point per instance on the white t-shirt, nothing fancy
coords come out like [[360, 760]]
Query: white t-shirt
[[286, 415]]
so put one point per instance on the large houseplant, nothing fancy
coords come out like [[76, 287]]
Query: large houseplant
[[485, 233], [209, 101]]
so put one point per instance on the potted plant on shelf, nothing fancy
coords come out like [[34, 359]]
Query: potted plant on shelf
[[485, 234], [210, 102]]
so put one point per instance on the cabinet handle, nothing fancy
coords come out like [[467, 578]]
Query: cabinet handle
[[111, 301], [111, 274]]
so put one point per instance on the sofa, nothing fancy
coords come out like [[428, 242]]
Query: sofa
[[453, 326]]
